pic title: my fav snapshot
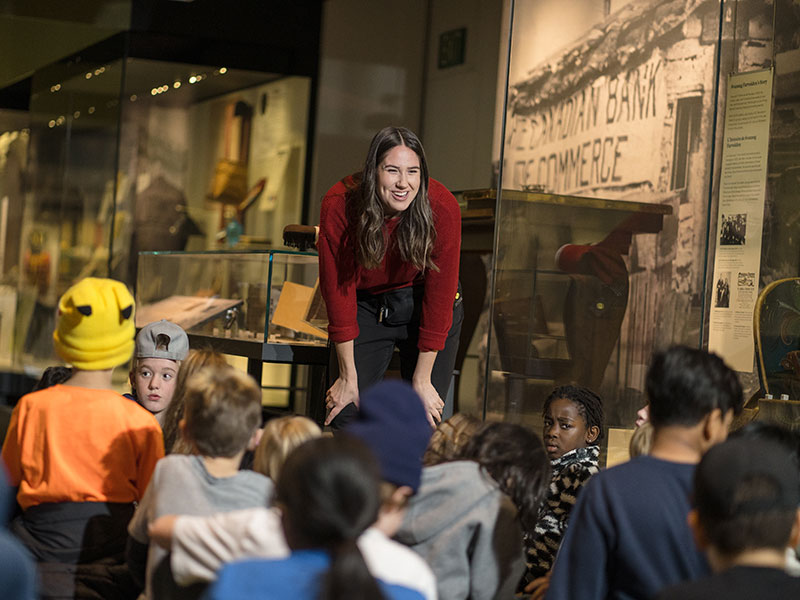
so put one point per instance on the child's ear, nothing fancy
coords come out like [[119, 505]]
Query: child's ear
[[715, 427], [255, 439], [592, 433], [794, 538]]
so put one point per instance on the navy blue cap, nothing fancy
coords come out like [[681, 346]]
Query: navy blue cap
[[392, 422]]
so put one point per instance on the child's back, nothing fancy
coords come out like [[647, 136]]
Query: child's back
[[74, 444], [223, 411], [182, 485], [628, 535], [80, 453], [639, 510]]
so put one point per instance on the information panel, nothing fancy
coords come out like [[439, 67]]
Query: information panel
[[742, 191]]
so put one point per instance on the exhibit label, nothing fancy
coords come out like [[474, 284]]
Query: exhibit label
[[742, 190]]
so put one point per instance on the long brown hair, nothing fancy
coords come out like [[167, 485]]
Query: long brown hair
[[194, 361], [415, 234]]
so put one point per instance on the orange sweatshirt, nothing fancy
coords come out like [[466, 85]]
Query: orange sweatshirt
[[72, 444]]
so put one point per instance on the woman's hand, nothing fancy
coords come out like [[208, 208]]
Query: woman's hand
[[423, 386], [342, 393], [538, 587], [431, 401]]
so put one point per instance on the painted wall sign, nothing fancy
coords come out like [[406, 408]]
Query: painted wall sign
[[608, 134]]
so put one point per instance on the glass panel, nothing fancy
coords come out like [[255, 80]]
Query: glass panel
[[127, 155], [14, 137], [232, 295], [609, 125], [69, 208]]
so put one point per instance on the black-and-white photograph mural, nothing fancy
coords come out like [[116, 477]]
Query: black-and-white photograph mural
[[615, 100], [733, 230], [722, 290]]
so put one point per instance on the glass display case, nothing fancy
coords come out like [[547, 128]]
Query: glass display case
[[570, 300], [262, 305], [130, 154], [263, 299]]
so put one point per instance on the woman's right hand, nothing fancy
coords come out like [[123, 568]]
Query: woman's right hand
[[342, 393]]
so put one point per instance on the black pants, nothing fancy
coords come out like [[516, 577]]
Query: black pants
[[375, 344]]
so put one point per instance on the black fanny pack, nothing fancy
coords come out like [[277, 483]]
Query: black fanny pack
[[399, 307]]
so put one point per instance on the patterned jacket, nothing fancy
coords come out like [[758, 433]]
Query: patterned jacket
[[570, 473]]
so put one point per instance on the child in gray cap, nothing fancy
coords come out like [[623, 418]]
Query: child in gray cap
[[160, 348]]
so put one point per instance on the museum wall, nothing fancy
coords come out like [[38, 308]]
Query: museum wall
[[370, 76]]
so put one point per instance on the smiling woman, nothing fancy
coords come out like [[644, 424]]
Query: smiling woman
[[389, 247]]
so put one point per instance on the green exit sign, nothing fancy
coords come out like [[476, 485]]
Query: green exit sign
[[452, 45]]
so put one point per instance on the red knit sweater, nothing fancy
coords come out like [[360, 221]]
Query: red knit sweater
[[340, 275]]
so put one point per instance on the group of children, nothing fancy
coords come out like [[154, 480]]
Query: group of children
[[387, 508]]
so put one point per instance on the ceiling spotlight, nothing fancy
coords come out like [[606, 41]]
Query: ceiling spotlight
[[91, 110], [192, 79], [176, 85], [133, 97], [51, 124], [88, 76], [223, 70]]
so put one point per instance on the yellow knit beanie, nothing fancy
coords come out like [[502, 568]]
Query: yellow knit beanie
[[95, 327]]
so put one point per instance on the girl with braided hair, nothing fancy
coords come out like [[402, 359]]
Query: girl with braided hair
[[573, 424]]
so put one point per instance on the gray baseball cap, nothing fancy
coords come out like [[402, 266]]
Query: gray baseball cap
[[162, 339]]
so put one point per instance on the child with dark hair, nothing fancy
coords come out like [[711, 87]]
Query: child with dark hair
[[468, 517], [790, 441], [328, 494], [222, 414], [573, 424], [52, 376], [628, 536], [745, 515]]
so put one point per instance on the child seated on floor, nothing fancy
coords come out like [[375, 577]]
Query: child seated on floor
[[280, 437], [628, 536], [329, 494], [222, 413], [195, 360], [392, 422], [80, 454], [745, 516], [467, 519], [573, 424], [160, 348], [450, 437]]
